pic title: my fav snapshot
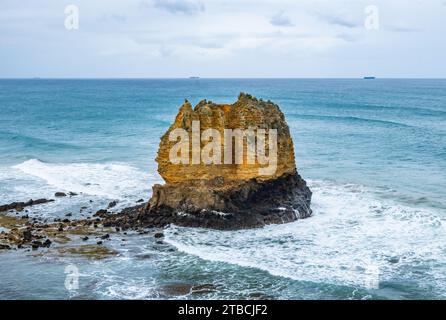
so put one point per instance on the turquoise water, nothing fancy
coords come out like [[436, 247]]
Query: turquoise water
[[373, 152]]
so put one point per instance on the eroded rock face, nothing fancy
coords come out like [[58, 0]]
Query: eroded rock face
[[247, 112], [230, 194]]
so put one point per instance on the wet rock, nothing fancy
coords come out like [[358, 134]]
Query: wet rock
[[204, 288], [182, 289], [19, 206], [36, 244], [99, 242], [85, 238], [105, 236], [394, 259], [72, 194], [46, 243], [140, 200], [101, 213], [60, 194], [143, 256], [112, 204], [4, 247], [89, 251], [177, 289], [158, 235], [27, 235], [69, 214], [259, 296]]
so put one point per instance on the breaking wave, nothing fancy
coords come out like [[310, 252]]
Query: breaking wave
[[354, 238], [106, 180]]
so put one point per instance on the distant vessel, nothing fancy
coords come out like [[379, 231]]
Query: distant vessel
[[194, 77], [369, 78]]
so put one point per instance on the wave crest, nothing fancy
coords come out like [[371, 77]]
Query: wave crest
[[354, 238], [107, 180]]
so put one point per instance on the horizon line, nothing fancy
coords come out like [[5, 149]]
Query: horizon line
[[219, 78]]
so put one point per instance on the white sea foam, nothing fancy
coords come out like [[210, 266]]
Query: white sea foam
[[354, 238], [106, 180], [131, 289]]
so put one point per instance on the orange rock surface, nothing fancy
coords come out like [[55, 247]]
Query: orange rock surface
[[247, 112]]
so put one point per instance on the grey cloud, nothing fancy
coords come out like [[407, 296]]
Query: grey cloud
[[279, 19], [220, 43], [214, 41], [209, 42], [112, 17], [180, 6], [401, 29], [339, 21]]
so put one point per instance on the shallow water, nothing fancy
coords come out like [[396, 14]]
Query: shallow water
[[373, 153]]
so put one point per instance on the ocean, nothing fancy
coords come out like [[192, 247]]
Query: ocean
[[372, 151]]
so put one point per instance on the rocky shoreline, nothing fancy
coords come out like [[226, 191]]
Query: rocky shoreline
[[233, 195], [23, 232], [19, 206]]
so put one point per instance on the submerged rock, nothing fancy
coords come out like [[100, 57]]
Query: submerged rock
[[27, 235], [158, 235], [112, 204], [183, 289], [19, 206], [204, 288], [232, 190], [60, 194], [88, 251], [31, 233]]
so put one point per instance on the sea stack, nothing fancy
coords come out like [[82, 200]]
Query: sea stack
[[210, 183]]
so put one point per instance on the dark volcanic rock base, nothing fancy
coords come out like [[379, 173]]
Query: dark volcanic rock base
[[253, 204]]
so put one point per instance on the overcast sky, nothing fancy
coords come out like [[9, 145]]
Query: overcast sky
[[216, 38]]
